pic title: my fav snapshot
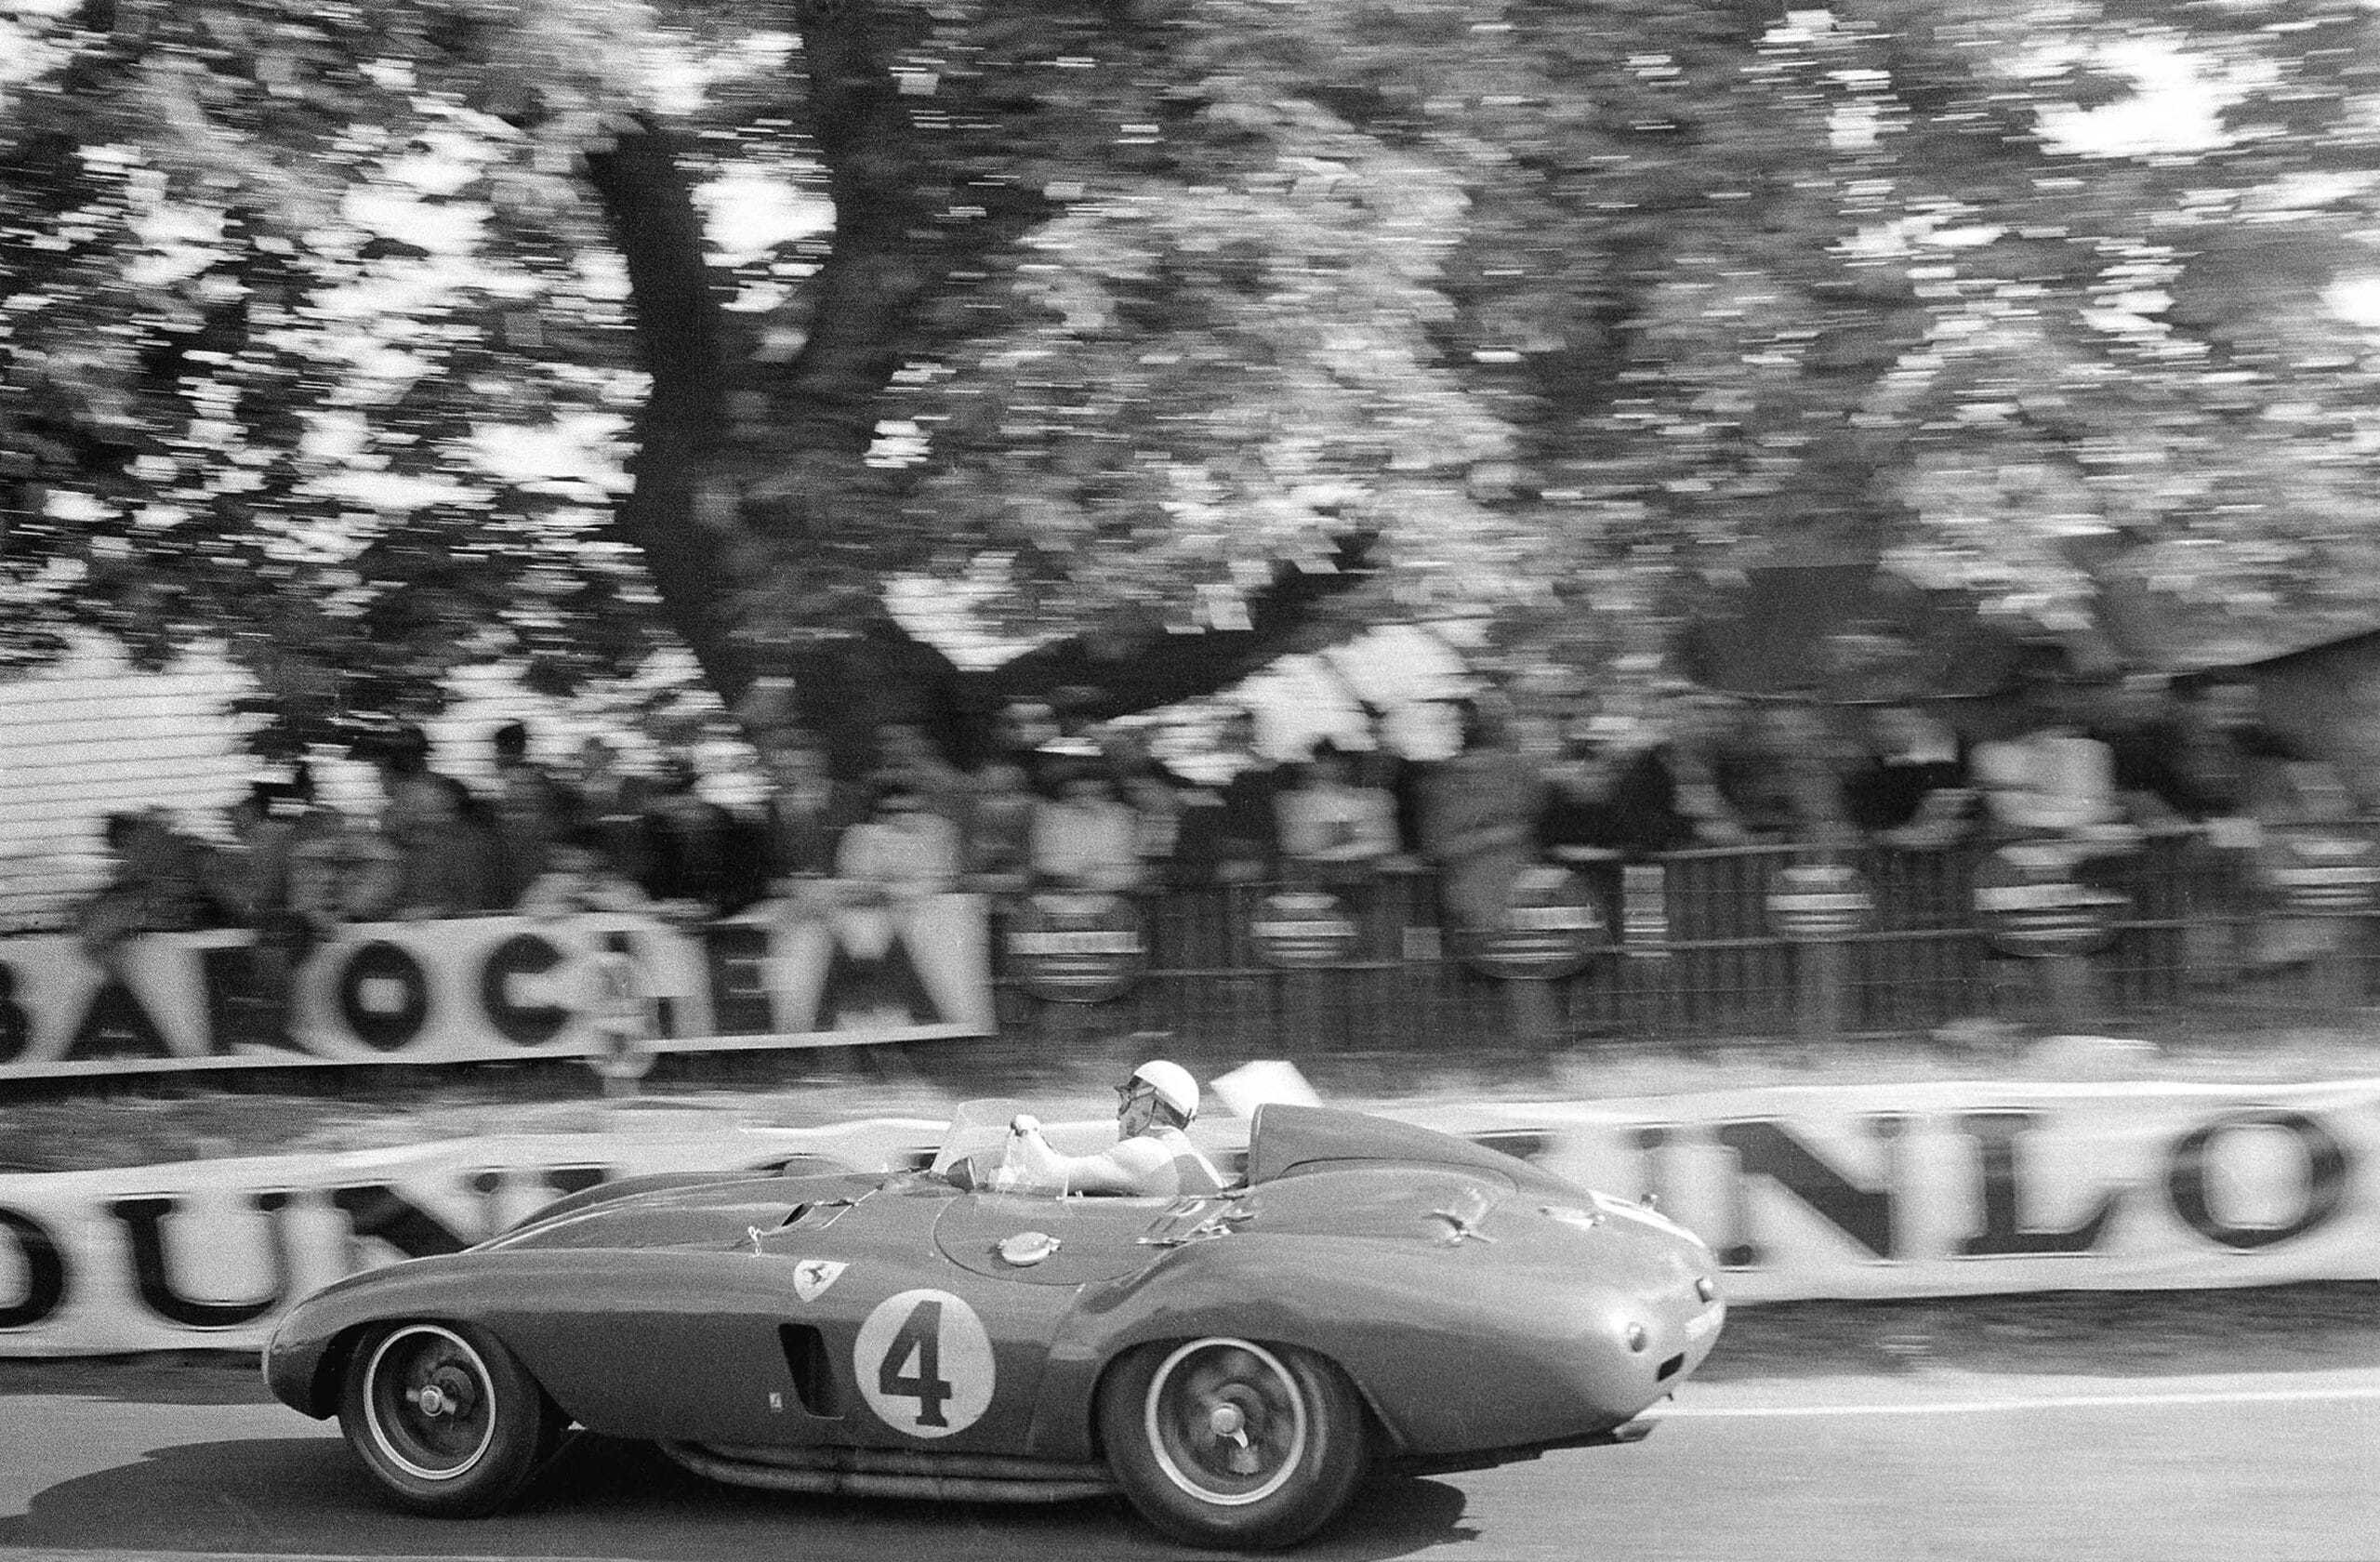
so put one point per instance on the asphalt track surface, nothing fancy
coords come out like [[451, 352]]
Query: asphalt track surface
[[1932, 1462]]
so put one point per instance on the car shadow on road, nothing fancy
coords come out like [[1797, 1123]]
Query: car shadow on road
[[147, 1378], [298, 1496], [2310, 1326]]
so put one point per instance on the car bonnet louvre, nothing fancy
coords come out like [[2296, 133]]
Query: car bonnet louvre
[[1194, 1219], [816, 1214]]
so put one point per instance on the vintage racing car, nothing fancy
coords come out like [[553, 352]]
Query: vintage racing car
[[1375, 1295]]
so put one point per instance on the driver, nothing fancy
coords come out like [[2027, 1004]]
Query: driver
[[1152, 1156]]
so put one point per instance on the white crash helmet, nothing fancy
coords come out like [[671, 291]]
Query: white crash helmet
[[1172, 1084]]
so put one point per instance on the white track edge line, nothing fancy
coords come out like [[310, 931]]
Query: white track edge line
[[2029, 1402]]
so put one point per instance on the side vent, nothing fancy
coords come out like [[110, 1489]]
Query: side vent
[[814, 1373], [1668, 1368]]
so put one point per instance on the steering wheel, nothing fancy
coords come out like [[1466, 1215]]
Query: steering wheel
[[996, 1169]]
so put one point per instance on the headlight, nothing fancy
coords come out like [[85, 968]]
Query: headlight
[[1706, 1288], [1635, 1336]]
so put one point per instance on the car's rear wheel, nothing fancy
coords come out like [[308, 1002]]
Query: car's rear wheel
[[446, 1418], [1224, 1442]]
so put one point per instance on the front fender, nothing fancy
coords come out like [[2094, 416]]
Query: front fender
[[307, 1354], [643, 1343]]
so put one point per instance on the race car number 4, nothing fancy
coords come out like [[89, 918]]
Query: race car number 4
[[924, 1363]]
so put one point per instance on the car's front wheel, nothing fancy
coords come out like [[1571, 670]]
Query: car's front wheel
[[1223, 1442], [446, 1418]]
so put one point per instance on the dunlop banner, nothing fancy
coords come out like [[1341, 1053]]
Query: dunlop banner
[[1861, 1191], [491, 987], [206, 1254], [1978, 1188]]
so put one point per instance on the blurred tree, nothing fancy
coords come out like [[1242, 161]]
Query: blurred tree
[[376, 343], [1138, 317]]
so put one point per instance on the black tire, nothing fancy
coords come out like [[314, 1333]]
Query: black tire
[[1227, 1442], [444, 1418]]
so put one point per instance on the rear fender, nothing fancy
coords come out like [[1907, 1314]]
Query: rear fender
[[1384, 1440], [1332, 1297], [1455, 1349]]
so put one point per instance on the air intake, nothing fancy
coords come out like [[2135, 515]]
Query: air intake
[[814, 1375]]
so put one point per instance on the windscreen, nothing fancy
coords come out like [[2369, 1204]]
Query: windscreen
[[977, 1125]]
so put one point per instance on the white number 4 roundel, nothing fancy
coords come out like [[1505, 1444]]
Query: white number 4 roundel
[[924, 1363]]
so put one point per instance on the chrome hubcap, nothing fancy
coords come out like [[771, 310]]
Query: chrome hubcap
[[449, 1395], [1226, 1421], [428, 1403]]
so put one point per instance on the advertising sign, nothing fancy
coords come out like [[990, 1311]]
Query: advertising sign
[[1885, 1190], [1551, 929], [2030, 902], [1073, 947], [208, 1253], [1818, 903], [1303, 929], [1971, 1188], [1645, 910], [487, 988], [2319, 873]]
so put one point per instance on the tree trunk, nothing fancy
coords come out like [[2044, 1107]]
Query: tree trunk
[[666, 514], [1121, 675], [843, 689], [764, 532]]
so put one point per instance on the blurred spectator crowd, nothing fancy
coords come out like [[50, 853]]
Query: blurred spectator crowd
[[2087, 767]]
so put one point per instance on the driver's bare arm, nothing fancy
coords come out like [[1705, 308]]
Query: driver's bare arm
[[1132, 1166]]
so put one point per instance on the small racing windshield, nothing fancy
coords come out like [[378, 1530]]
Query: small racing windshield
[[975, 1126]]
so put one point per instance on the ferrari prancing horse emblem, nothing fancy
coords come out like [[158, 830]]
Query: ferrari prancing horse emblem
[[813, 1276]]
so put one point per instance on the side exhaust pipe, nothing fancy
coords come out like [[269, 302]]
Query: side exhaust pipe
[[879, 1473]]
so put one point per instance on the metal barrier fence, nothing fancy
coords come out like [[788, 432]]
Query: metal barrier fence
[[1695, 951], [1756, 942]]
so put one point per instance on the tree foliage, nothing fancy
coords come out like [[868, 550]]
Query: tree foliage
[[1143, 317], [274, 277]]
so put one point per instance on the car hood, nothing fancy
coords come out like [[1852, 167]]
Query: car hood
[[704, 1215]]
